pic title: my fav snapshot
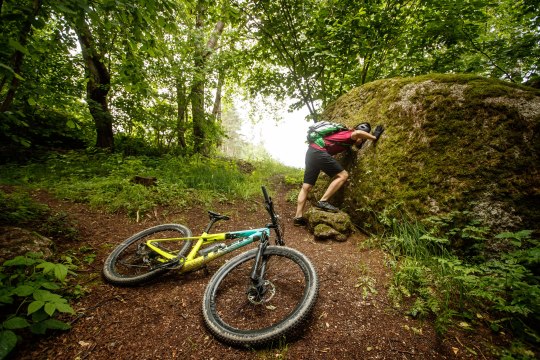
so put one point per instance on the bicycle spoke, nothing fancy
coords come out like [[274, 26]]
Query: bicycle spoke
[[235, 308], [133, 261]]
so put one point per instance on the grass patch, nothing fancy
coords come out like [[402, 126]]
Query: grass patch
[[104, 180]]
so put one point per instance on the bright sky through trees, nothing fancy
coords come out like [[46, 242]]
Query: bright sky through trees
[[285, 141]]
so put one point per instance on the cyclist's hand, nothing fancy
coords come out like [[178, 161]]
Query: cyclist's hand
[[378, 132]]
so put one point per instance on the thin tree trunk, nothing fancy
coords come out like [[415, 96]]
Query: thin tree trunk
[[197, 88], [18, 56], [202, 53], [182, 102], [216, 111], [98, 85]]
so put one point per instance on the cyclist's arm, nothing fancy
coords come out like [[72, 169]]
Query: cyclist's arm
[[359, 135]]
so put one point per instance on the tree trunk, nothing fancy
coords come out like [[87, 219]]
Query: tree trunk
[[98, 86], [202, 53], [216, 111], [197, 88], [182, 102], [18, 56]]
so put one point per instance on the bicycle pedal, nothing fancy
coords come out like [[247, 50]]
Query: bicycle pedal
[[206, 271], [179, 263]]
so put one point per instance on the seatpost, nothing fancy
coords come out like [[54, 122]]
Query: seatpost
[[210, 224]]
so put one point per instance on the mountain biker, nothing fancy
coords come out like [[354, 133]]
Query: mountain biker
[[322, 159]]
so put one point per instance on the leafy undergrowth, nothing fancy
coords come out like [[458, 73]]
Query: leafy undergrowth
[[458, 271]]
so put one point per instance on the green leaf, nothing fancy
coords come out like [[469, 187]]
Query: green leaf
[[56, 324], [39, 316], [17, 46], [65, 308], [20, 260], [11, 71], [16, 323], [45, 295], [50, 308], [41, 295], [60, 271], [35, 306], [8, 340], [50, 286], [39, 328], [46, 266], [32, 101], [2, 65], [6, 299], [24, 290]]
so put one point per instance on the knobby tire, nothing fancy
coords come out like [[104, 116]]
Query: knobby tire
[[132, 263], [233, 319]]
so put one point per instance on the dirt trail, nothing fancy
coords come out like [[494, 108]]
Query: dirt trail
[[162, 320]]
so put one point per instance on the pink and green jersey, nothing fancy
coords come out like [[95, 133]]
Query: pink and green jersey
[[336, 143]]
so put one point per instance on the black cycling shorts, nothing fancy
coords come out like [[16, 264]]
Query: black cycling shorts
[[317, 161]]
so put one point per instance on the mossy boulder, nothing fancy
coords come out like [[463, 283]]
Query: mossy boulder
[[452, 143], [329, 226]]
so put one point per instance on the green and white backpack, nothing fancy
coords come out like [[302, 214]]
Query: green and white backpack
[[318, 131]]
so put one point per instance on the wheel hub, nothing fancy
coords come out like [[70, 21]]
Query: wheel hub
[[263, 294]]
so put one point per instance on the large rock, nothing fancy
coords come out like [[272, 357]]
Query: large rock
[[16, 241], [452, 142], [329, 226]]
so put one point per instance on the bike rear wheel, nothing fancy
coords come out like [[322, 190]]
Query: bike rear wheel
[[235, 317], [132, 262]]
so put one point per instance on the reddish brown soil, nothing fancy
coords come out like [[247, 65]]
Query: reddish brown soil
[[162, 320]]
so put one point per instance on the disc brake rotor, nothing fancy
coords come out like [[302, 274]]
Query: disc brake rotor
[[256, 298]]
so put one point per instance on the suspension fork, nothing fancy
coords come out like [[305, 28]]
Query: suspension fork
[[259, 268]]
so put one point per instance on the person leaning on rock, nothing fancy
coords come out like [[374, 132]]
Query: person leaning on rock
[[322, 159]]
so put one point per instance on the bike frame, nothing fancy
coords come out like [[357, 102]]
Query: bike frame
[[194, 261]]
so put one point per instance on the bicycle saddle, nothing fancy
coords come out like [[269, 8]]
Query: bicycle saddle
[[216, 216]]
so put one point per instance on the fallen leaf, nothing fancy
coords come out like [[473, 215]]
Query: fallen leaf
[[464, 325]]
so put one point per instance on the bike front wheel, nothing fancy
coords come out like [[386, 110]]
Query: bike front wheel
[[132, 262], [236, 316]]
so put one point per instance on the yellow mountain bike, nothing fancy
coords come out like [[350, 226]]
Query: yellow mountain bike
[[256, 298]]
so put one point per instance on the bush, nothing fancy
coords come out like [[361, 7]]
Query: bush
[[32, 296], [462, 283]]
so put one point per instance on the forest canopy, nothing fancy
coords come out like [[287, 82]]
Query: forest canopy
[[156, 75]]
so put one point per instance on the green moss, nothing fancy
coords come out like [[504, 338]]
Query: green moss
[[450, 142]]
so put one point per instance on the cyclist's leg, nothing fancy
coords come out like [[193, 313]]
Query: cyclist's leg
[[331, 167], [302, 199], [335, 185], [311, 173]]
